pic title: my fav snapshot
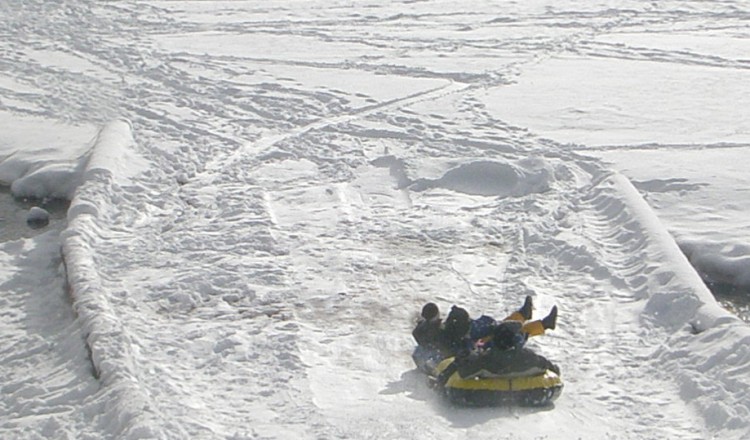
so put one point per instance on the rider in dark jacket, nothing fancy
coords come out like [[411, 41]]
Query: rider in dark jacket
[[454, 335], [427, 331]]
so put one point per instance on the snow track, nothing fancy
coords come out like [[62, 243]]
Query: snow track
[[46, 375], [247, 254]]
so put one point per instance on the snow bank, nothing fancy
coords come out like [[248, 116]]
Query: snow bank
[[40, 159], [56, 180], [720, 262], [37, 162], [707, 348], [682, 293], [131, 415], [705, 209]]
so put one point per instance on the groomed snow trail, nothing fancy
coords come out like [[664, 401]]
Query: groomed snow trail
[[299, 180]]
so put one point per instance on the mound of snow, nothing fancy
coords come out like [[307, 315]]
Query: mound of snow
[[490, 178]]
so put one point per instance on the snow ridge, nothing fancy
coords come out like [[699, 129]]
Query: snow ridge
[[708, 374], [131, 413]]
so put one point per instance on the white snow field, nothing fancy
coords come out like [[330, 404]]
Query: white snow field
[[264, 194]]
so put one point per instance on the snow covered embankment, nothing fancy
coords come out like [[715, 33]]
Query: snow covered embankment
[[708, 351], [131, 413]]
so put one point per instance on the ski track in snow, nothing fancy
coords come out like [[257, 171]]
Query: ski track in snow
[[260, 278]]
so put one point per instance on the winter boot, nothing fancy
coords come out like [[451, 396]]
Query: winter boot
[[550, 320], [525, 309]]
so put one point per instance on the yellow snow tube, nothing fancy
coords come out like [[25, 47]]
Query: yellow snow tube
[[535, 390]]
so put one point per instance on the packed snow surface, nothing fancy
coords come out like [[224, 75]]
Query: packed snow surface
[[263, 195]]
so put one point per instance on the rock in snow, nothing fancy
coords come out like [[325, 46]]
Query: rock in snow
[[37, 217]]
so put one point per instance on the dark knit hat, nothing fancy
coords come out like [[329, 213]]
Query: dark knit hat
[[430, 310], [458, 322]]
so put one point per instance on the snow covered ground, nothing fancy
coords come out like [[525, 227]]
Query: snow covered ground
[[264, 194]]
